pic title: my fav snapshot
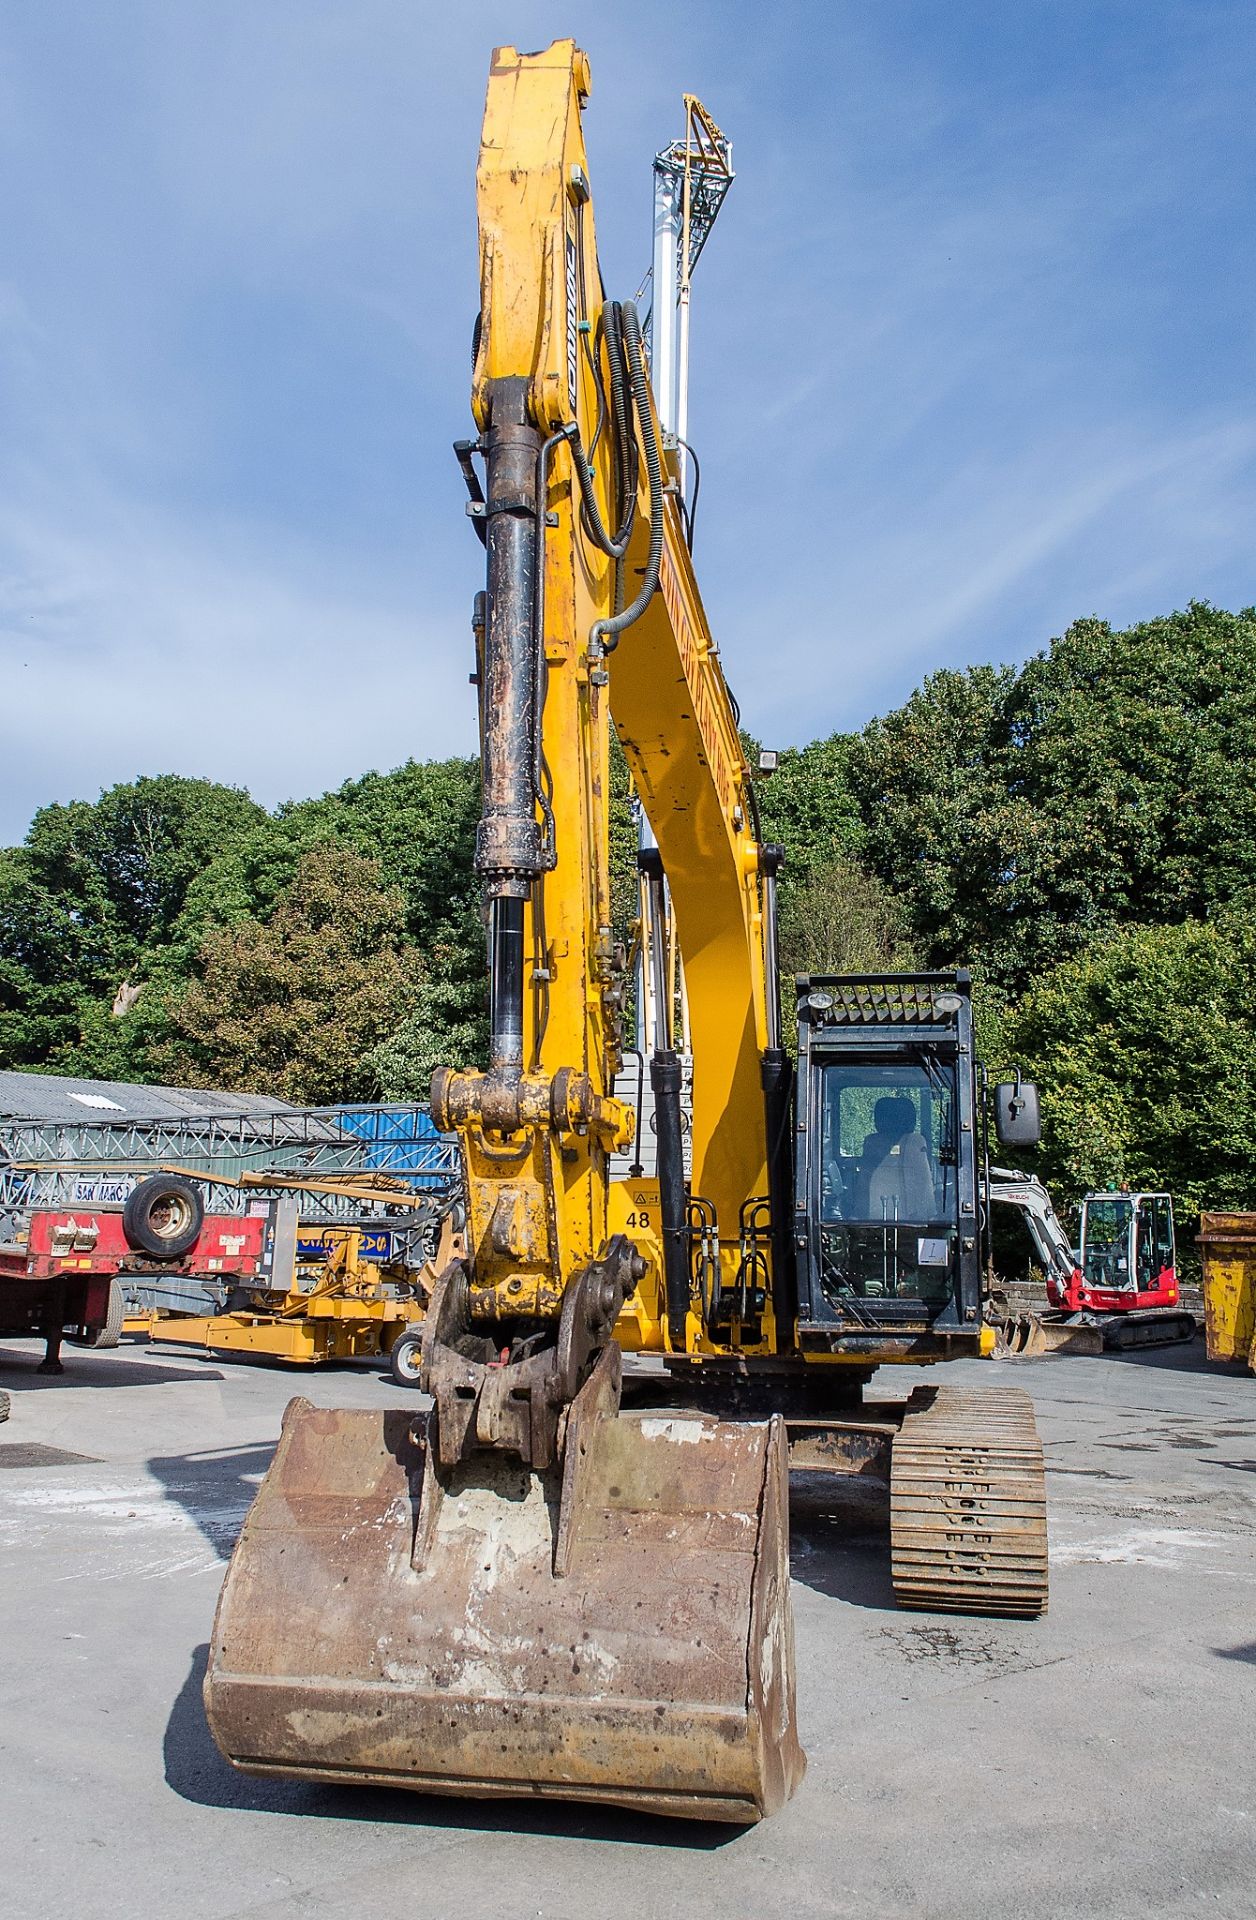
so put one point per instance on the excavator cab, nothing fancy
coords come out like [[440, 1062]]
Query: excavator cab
[[1124, 1279], [1128, 1257], [887, 1201], [886, 1207]]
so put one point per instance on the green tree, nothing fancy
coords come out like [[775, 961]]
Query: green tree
[[624, 841], [929, 787], [297, 1004], [835, 915], [809, 807], [1022, 816], [1127, 763], [447, 1028], [841, 919], [1015, 822], [60, 946], [142, 843], [1144, 1048], [89, 899], [418, 822]]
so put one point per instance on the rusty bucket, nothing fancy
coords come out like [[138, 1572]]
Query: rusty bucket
[[617, 1629]]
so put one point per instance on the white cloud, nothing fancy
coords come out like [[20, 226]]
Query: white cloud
[[145, 654], [988, 566]]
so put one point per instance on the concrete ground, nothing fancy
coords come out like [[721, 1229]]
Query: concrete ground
[[1101, 1761]]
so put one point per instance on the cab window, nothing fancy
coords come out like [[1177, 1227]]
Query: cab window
[[1106, 1254], [887, 1144]]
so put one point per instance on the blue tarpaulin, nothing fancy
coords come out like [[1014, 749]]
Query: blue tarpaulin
[[403, 1142]]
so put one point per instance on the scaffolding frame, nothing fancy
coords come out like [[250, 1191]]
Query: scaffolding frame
[[350, 1163]]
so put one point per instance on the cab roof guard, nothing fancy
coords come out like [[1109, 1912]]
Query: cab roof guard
[[881, 1000]]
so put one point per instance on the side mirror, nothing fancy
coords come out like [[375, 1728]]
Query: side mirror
[[1016, 1120]]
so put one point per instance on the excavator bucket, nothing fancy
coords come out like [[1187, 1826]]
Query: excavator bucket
[[617, 1629], [1027, 1336]]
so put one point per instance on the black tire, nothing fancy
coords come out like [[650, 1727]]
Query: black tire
[[110, 1334], [405, 1357], [164, 1216], [4, 1406]]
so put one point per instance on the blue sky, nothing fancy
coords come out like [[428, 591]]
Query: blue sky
[[973, 350]]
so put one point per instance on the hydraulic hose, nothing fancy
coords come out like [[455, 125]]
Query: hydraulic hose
[[625, 443], [571, 433], [615, 546], [604, 637]]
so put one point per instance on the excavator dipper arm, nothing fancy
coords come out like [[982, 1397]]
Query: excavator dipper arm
[[528, 1591]]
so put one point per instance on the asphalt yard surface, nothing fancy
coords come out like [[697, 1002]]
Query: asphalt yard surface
[[1100, 1761]]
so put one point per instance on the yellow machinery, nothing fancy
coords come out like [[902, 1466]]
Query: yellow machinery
[[532, 1590], [343, 1303], [277, 1290]]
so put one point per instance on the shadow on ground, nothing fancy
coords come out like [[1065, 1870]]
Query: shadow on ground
[[196, 1771], [1190, 1357], [839, 1539], [214, 1488], [197, 1356], [83, 1368]]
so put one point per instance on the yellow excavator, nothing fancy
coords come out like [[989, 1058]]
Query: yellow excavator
[[533, 1589]]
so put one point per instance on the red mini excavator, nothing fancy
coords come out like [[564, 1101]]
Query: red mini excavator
[[1122, 1281], [1128, 1269]]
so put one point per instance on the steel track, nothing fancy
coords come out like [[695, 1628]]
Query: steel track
[[968, 1508]]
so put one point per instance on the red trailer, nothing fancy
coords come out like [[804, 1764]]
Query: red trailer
[[65, 1280], [85, 1307]]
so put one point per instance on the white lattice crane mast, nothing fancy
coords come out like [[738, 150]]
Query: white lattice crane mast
[[691, 178]]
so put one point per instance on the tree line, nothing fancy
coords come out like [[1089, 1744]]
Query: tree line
[[1080, 831]]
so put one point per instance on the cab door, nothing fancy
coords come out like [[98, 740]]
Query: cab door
[[1157, 1278]]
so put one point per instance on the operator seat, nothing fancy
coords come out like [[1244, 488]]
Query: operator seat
[[896, 1185]]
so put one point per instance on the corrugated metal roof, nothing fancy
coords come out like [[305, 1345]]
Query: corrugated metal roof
[[59, 1097]]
